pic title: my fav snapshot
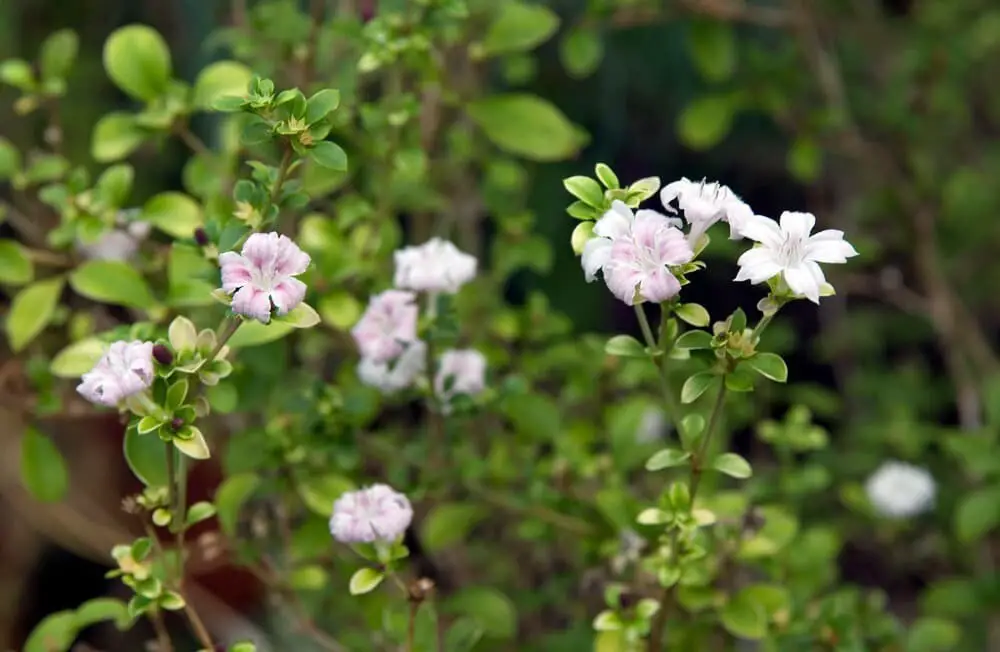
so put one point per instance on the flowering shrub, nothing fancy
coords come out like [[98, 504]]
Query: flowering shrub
[[411, 460]]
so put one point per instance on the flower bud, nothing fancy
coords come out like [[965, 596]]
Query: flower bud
[[163, 355], [177, 423], [368, 10], [201, 237]]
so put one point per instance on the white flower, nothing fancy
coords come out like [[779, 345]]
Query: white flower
[[791, 251], [120, 244], [261, 277], [460, 372], [704, 204], [616, 224], [630, 547], [374, 514], [124, 370], [898, 490], [435, 266], [400, 373]]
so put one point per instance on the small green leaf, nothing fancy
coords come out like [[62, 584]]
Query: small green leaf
[[115, 136], [693, 314], [176, 395], [100, 610], [667, 458], [174, 213], [463, 635], [586, 190], [137, 60], [933, 635], [696, 385], [243, 646], [112, 281], [449, 524], [744, 618], [340, 309], [230, 498], [254, 333], [301, 316], [527, 125], [977, 513], [171, 601], [330, 155], [17, 73], [518, 27], [78, 358], [582, 211], [769, 365], [58, 53], [706, 121], [55, 633], [146, 457], [694, 340], [581, 51], [607, 176], [607, 621], [15, 266], [31, 311], [365, 580], [148, 424], [582, 234], [493, 610], [320, 105], [625, 346], [732, 465], [10, 159], [200, 511], [805, 159], [218, 80], [43, 470], [712, 47], [115, 184], [195, 447]]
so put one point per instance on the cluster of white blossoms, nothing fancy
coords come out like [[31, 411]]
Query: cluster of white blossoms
[[373, 514], [636, 252], [900, 490], [393, 356]]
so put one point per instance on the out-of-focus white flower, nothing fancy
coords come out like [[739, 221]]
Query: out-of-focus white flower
[[263, 275], [120, 244], [789, 249], [387, 326], [630, 547], [374, 514], [899, 490], [435, 266], [124, 370], [395, 375], [460, 371], [653, 426], [704, 204]]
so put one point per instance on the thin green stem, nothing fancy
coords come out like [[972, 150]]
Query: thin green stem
[[225, 331], [658, 350], [761, 325], [698, 459], [283, 169], [411, 627]]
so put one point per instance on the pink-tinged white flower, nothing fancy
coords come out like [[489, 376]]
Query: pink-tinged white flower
[[373, 514], [388, 325], [262, 276], [899, 490], [789, 249], [704, 204], [397, 374], [124, 370], [460, 371], [638, 266], [616, 224], [435, 266]]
